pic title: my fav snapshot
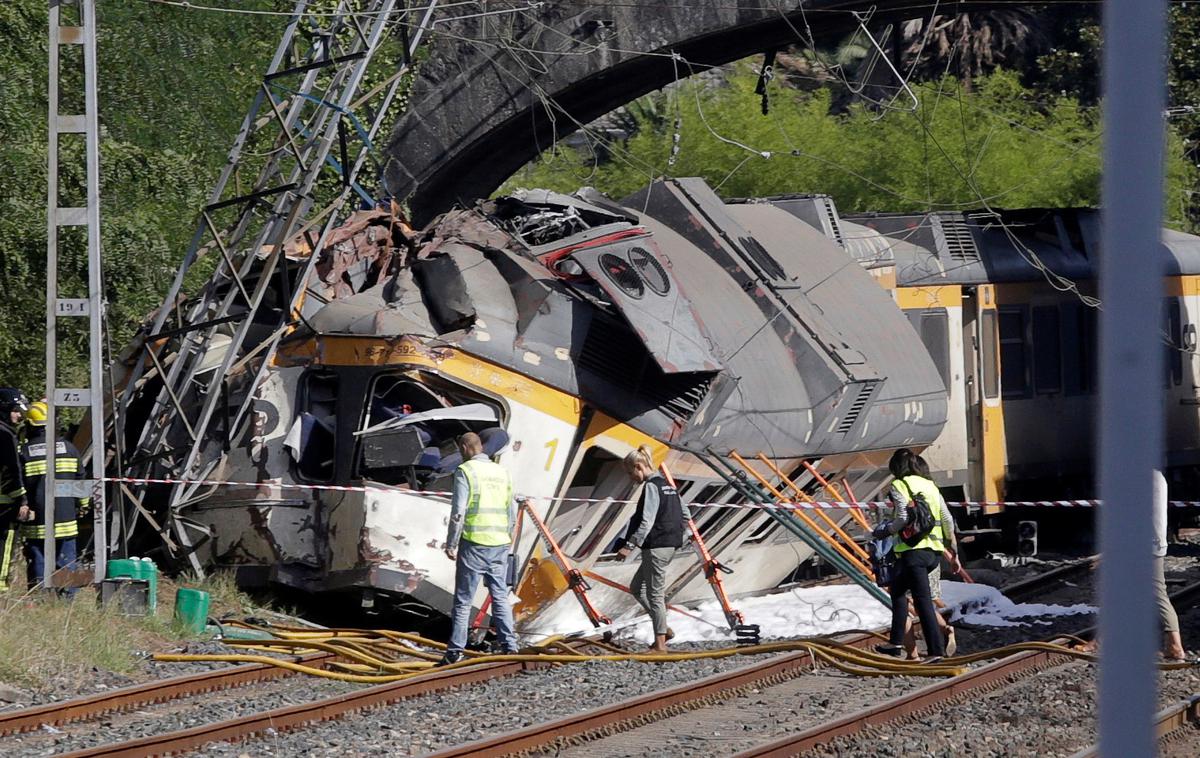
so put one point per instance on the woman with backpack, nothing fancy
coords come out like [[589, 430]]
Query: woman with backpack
[[921, 534]]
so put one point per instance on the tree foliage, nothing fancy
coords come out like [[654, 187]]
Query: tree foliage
[[174, 85], [996, 145]]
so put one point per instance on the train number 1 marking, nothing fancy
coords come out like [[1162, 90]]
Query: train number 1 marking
[[552, 446]]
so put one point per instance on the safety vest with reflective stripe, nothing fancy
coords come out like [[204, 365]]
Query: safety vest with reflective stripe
[[910, 486], [490, 493], [66, 466]]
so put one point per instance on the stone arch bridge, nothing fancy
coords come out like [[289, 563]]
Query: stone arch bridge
[[505, 83]]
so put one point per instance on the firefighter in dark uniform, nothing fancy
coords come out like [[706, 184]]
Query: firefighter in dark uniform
[[12, 487], [66, 528]]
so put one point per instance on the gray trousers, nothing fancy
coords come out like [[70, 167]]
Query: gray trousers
[[1166, 612], [649, 584]]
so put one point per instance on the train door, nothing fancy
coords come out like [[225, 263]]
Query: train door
[[973, 392], [985, 416], [592, 509]]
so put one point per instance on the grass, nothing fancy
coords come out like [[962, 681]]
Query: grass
[[46, 641]]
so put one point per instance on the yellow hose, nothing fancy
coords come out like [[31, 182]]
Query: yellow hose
[[383, 656]]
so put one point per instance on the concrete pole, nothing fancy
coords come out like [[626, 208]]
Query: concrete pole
[[95, 291], [1131, 363]]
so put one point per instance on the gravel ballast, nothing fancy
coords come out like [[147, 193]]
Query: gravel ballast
[[430, 722], [1053, 710]]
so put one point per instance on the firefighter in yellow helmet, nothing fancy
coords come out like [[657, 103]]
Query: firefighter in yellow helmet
[[33, 529], [12, 484]]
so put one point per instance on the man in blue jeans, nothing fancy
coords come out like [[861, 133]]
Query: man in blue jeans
[[482, 515]]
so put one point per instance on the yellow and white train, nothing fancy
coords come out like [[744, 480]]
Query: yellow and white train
[[735, 339], [1006, 305], [769, 341]]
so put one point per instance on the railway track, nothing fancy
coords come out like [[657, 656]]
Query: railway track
[[998, 674], [777, 671], [1040, 583], [149, 693], [722, 713], [1178, 728]]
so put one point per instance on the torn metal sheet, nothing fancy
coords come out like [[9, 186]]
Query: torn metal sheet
[[649, 297]]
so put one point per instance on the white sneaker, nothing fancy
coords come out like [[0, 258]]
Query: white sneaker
[[951, 643]]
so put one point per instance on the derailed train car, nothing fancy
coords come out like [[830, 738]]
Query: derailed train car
[[566, 330]]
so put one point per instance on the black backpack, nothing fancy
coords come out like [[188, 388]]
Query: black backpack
[[920, 517]]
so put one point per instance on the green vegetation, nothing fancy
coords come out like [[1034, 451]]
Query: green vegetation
[[176, 83], [996, 145], [45, 640]]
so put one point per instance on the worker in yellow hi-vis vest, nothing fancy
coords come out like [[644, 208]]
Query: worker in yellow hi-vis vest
[[482, 514], [920, 540]]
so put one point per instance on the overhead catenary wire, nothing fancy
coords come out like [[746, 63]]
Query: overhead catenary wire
[[552, 110]]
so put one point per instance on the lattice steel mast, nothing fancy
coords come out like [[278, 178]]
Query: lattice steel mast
[[306, 106]]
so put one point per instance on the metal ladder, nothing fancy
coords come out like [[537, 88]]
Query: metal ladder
[[738, 472], [305, 106]]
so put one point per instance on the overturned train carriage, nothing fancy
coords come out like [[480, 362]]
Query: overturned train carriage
[[566, 330]]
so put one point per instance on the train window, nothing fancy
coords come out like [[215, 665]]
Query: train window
[[421, 451], [763, 531], [313, 439], [599, 476], [706, 517], [933, 324], [1047, 354], [682, 486], [987, 349], [1014, 375], [1173, 326], [1078, 325]]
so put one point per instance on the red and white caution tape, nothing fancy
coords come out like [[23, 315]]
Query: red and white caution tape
[[781, 505]]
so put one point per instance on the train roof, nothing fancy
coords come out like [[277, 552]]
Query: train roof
[[979, 247], [710, 325]]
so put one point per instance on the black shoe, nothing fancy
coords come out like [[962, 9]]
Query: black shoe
[[451, 656], [893, 650]]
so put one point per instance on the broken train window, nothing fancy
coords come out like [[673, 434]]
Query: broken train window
[[312, 440], [410, 429]]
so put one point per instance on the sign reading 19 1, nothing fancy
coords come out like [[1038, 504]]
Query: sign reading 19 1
[[71, 307]]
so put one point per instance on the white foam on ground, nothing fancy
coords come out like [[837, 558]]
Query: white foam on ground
[[982, 605], [815, 611]]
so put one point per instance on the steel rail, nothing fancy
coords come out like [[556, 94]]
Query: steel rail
[[1169, 720], [163, 690], [983, 678], [293, 716], [1033, 585], [334, 707], [666, 702], [656, 705]]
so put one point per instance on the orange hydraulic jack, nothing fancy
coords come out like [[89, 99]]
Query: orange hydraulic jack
[[747, 633], [575, 578]]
